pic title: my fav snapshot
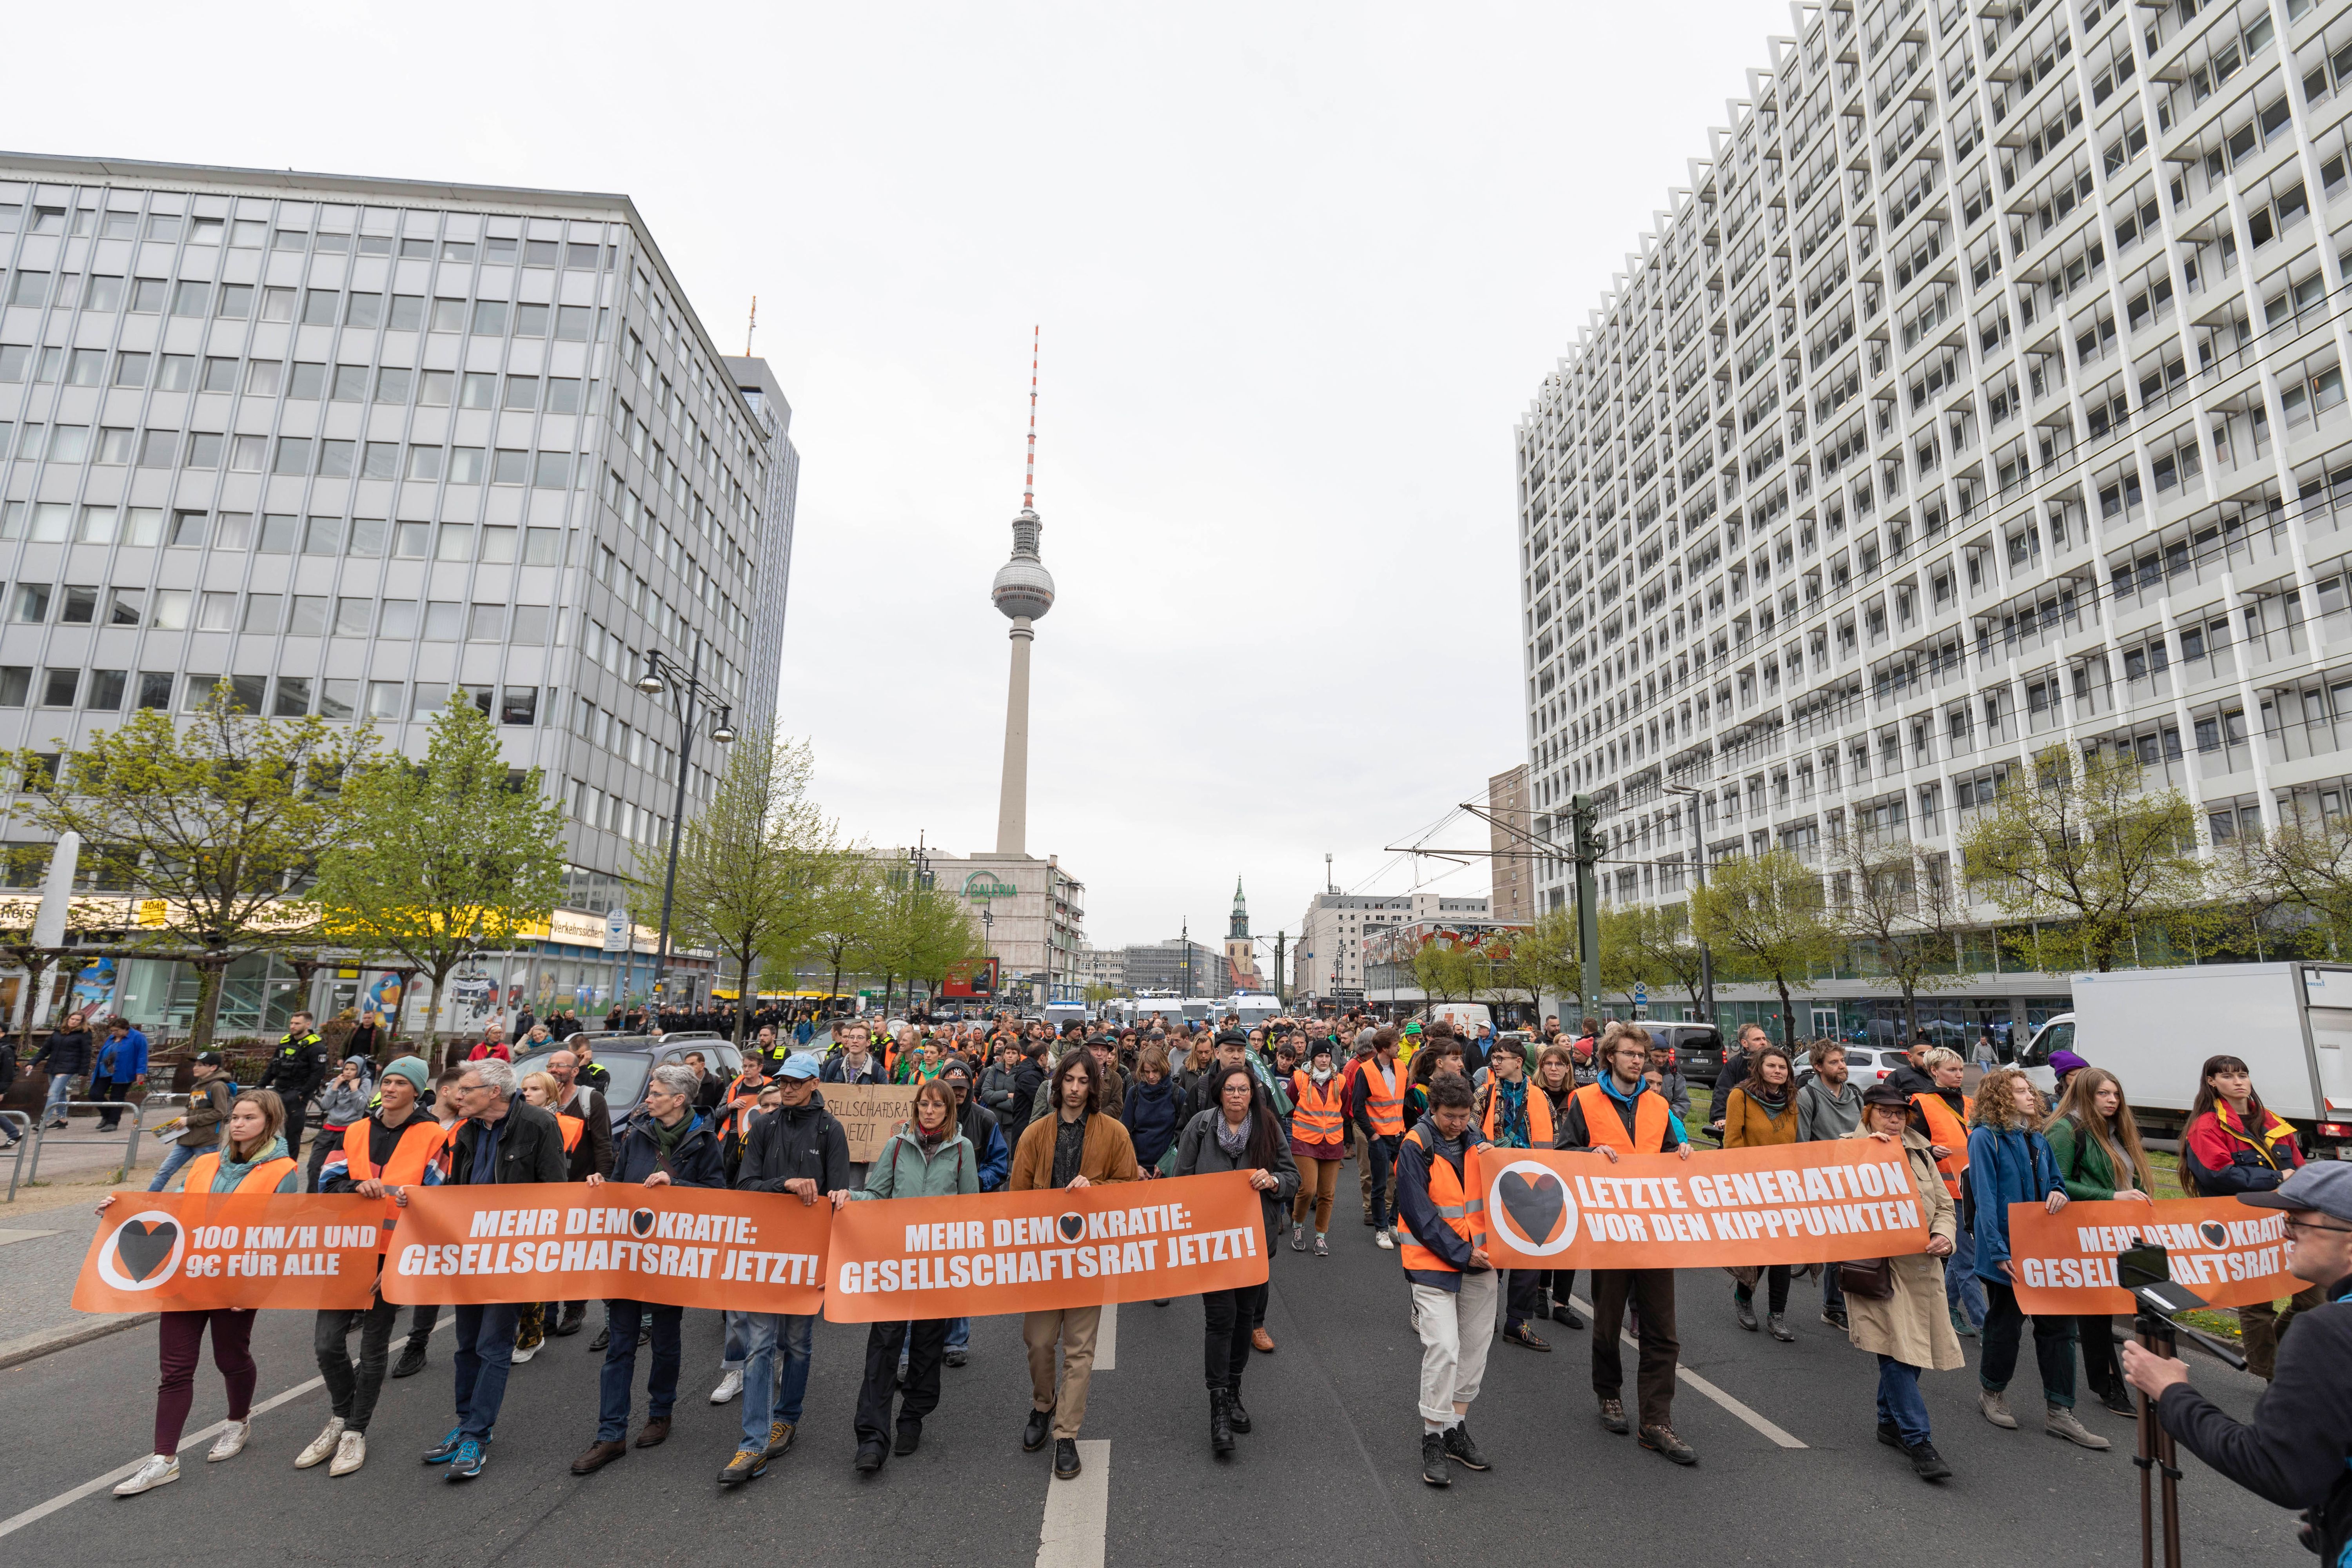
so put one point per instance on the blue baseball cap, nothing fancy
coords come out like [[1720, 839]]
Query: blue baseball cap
[[800, 1063]]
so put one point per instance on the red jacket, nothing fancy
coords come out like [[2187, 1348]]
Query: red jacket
[[491, 1048], [2225, 1158]]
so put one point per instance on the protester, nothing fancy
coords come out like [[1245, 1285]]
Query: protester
[[665, 1143], [343, 1103], [1617, 1114], [977, 1124], [1238, 1132], [852, 1062], [1154, 1111], [2297, 1450], [120, 1070], [1828, 1105], [380, 1155], [1000, 1091], [1556, 1081], [2232, 1145], [1943, 1114], [1762, 1114], [1317, 1144], [209, 1093], [255, 1161], [1670, 1081], [1908, 1328], [65, 1055], [2096, 1143], [1452, 1282], [1075, 1146], [2010, 1162], [493, 1043], [1751, 1039], [1376, 1109], [1514, 1114], [502, 1140]]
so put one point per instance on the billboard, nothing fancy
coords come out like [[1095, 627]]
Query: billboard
[[972, 978]]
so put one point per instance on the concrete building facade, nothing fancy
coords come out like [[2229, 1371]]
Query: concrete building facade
[[1328, 964]]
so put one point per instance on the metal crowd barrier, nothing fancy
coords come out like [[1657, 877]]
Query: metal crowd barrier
[[43, 1135], [24, 1127]]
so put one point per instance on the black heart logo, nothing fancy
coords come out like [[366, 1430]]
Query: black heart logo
[[1072, 1225], [143, 1248], [642, 1221], [2215, 1233], [1535, 1204]]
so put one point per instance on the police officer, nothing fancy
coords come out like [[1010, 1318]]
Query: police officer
[[297, 1067]]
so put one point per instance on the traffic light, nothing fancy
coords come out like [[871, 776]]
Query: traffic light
[[1585, 821]]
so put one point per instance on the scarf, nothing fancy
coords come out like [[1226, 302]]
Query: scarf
[[1511, 1113], [667, 1139], [1321, 1075], [1233, 1140]]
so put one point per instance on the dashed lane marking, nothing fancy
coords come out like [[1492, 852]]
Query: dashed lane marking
[[1078, 1511]]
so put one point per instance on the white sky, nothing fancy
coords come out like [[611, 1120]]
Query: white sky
[[1299, 268]]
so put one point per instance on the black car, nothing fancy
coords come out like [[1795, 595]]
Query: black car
[[1697, 1048], [631, 1059]]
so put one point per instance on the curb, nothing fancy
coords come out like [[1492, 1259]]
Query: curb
[[32, 1347]]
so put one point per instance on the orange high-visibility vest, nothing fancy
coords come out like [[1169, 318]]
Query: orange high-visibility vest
[[1949, 1130], [1466, 1215], [572, 1127], [422, 1140], [1539, 1133], [1321, 1114], [1605, 1125], [262, 1178], [737, 1103], [1384, 1098]]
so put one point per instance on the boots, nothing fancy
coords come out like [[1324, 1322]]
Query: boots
[[1235, 1413], [1221, 1422]]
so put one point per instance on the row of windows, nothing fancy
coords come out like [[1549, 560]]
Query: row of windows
[[296, 614], [121, 447], [305, 381], [309, 307], [251, 233], [279, 534], [282, 696]]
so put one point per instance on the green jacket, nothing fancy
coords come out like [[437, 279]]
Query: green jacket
[[2083, 1164], [902, 1171]]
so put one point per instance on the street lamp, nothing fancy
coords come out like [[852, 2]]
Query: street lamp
[[1698, 869], [687, 692]]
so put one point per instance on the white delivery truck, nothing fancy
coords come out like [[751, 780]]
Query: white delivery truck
[[1252, 1007], [2154, 1028]]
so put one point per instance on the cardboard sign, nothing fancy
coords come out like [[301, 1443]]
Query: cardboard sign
[[990, 1253], [563, 1241], [192, 1252], [2226, 1252], [1795, 1203], [869, 1114]]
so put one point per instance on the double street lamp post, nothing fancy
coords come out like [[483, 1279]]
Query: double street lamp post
[[686, 695]]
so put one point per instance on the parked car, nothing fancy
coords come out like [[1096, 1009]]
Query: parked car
[[1697, 1048], [631, 1059]]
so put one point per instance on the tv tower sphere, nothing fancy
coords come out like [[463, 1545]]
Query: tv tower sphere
[[1023, 589]]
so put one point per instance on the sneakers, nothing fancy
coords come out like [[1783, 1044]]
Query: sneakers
[[780, 1437], [955, 1356], [444, 1451], [322, 1447], [1995, 1406], [1297, 1239], [1661, 1440], [1525, 1337], [1835, 1318], [1779, 1328], [1322, 1245], [524, 1353], [1433, 1467], [1961, 1326], [1927, 1464], [729, 1386], [2059, 1421], [1065, 1459], [1383, 1240], [1612, 1415], [351, 1453], [1040, 1428], [1744, 1309], [467, 1462], [749, 1464], [1461, 1449], [412, 1360], [159, 1469], [231, 1442]]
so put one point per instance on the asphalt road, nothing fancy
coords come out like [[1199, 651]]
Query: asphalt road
[[1330, 1475]]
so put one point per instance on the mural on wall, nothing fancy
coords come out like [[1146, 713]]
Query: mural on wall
[[93, 988]]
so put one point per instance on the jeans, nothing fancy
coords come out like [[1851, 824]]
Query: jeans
[[1832, 1288], [486, 1335], [1963, 1291], [180, 1337], [1227, 1341], [1899, 1404], [616, 1389], [738, 1347], [351, 1391], [1382, 1153], [958, 1333], [764, 1335], [2053, 1347], [2101, 1368], [60, 1091], [925, 1342], [1522, 1297], [179, 1155]]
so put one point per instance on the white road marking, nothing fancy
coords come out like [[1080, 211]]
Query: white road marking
[[1078, 1511], [1106, 1340], [39, 1511], [1748, 1414], [8, 1235]]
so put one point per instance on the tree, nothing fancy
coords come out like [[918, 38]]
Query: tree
[[445, 858], [2305, 866], [1443, 972], [1903, 907], [1539, 957], [1651, 943], [914, 931], [2082, 846], [847, 907], [1766, 913], [227, 820], [750, 863]]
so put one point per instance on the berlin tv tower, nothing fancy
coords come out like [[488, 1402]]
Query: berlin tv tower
[[1024, 590]]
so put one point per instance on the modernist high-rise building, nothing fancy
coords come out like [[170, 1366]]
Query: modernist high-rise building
[[348, 444], [1982, 393]]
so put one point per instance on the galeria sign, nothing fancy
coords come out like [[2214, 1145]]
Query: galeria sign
[[989, 1253], [559, 1241], [194, 1252], [1794, 1203], [2065, 1262]]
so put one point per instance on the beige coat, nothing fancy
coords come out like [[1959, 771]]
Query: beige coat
[[1915, 1324]]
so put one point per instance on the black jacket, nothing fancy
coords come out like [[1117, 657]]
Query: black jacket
[[792, 1142], [67, 1053], [694, 1163], [2297, 1452], [297, 1067], [531, 1147], [593, 1152]]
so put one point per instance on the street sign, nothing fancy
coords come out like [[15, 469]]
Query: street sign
[[1641, 994]]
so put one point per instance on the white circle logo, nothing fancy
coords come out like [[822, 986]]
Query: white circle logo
[[1530, 1206], [143, 1252]]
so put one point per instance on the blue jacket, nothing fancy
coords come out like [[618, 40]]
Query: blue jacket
[[1153, 1114], [991, 1152], [130, 1054], [637, 1155], [2005, 1168]]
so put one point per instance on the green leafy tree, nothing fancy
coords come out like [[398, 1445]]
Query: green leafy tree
[[1650, 944], [848, 907], [227, 818], [1444, 973], [752, 864], [1539, 957], [1767, 913], [2083, 852], [914, 932], [2299, 875], [446, 858], [1902, 908]]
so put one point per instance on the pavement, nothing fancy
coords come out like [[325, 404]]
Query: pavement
[[1790, 1469]]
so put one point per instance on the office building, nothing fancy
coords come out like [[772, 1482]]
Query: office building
[[349, 444], [1328, 964], [1178, 966], [1981, 393], [1509, 829]]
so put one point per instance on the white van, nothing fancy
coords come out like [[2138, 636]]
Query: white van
[[1465, 1016]]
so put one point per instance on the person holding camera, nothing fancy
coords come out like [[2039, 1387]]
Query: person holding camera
[[2297, 1450], [2232, 1145]]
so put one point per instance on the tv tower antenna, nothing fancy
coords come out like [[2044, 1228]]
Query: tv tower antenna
[[1029, 484], [751, 326]]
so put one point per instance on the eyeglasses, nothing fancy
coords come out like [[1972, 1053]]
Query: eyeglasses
[[2304, 1224]]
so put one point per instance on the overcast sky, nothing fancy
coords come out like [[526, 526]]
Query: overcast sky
[[1299, 269]]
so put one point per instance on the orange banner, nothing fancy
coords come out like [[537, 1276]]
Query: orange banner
[[561, 1241], [2226, 1252], [189, 1252], [994, 1253], [1796, 1203]]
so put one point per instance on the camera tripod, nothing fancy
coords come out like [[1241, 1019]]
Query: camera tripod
[[2159, 1474]]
